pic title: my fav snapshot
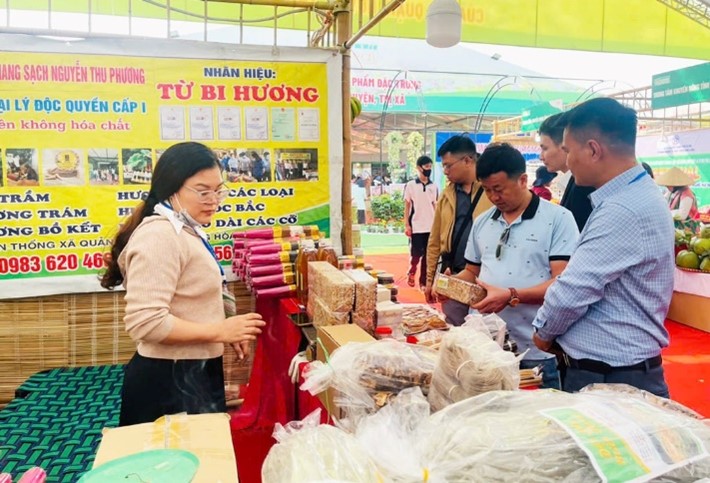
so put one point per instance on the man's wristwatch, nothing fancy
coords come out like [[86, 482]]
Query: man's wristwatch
[[514, 299]]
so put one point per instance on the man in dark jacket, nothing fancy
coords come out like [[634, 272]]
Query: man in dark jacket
[[575, 198]]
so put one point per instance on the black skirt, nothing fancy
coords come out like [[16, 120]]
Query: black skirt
[[155, 387]]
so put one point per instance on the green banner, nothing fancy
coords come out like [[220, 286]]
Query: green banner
[[681, 87], [533, 116]]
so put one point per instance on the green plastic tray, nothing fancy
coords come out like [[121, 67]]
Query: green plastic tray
[[154, 466]]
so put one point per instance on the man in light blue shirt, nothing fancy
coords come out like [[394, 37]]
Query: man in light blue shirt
[[606, 311], [516, 249]]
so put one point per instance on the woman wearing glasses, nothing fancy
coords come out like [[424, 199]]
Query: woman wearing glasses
[[175, 304]]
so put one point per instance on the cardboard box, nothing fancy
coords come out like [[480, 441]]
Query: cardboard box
[[207, 436], [331, 337], [692, 310]]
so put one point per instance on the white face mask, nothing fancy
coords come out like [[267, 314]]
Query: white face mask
[[183, 215]]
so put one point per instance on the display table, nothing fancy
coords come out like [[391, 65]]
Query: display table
[[690, 304]]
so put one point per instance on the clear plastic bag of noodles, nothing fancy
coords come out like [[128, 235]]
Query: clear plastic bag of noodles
[[548, 435], [490, 324], [307, 451], [471, 363], [391, 437], [367, 375]]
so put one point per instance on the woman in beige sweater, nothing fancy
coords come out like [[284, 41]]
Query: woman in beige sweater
[[174, 292]]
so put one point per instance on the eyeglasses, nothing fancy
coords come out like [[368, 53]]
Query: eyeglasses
[[503, 240], [208, 195], [447, 167]]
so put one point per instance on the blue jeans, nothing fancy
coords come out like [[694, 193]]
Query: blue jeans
[[550, 374], [652, 380]]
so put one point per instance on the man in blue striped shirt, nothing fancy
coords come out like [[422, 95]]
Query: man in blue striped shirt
[[607, 309]]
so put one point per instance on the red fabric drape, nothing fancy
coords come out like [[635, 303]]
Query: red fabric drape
[[270, 397]]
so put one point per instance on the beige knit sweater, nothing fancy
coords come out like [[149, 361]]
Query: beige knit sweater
[[167, 275]]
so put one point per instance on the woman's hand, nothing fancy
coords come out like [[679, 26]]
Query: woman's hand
[[241, 328], [243, 349]]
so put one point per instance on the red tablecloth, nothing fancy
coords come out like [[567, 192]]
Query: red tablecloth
[[270, 397]]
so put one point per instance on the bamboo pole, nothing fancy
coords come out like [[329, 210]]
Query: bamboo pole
[[386, 10], [344, 28], [318, 4]]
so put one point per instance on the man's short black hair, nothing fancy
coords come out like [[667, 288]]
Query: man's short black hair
[[607, 119], [553, 127], [458, 144], [499, 157], [424, 160]]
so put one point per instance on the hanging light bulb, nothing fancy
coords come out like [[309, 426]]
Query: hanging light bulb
[[443, 23]]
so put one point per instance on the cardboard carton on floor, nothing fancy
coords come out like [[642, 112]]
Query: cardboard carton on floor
[[207, 436], [332, 337], [690, 309]]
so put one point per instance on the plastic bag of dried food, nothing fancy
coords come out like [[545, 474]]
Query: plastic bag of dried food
[[367, 375], [469, 364], [490, 324], [547, 435], [391, 436], [309, 451]]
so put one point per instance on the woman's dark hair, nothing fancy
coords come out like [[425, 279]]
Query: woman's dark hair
[[255, 156], [178, 163]]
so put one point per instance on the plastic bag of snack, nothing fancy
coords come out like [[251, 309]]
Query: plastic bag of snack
[[490, 324], [309, 451], [469, 364], [539, 436], [363, 372]]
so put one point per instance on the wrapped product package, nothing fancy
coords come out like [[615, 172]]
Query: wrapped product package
[[548, 435], [470, 363], [365, 299], [606, 432], [335, 289], [389, 314], [459, 290], [322, 315], [490, 324], [417, 318], [368, 375], [307, 451], [365, 323]]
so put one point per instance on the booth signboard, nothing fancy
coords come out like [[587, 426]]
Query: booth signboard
[[681, 87], [534, 115], [687, 150], [82, 134]]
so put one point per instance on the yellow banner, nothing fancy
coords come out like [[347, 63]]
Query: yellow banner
[[628, 26], [80, 136]]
